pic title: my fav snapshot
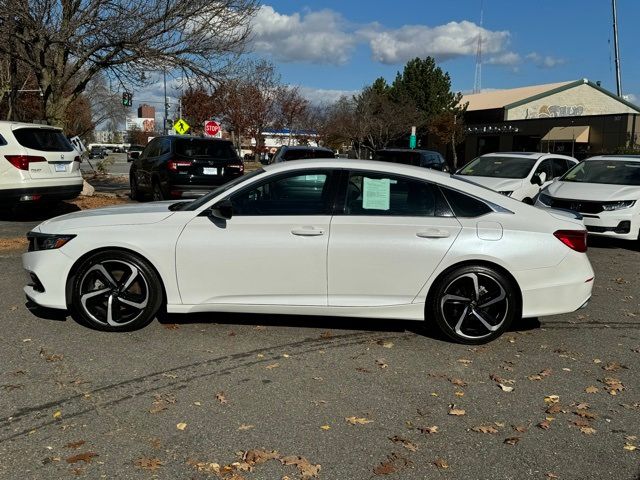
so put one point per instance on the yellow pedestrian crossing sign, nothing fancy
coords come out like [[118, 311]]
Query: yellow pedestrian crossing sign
[[181, 126]]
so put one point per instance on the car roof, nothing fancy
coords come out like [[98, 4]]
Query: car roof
[[622, 158], [533, 155], [401, 150], [194, 137], [306, 147], [25, 124]]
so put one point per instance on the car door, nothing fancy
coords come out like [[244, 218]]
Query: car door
[[144, 164], [390, 236], [273, 251]]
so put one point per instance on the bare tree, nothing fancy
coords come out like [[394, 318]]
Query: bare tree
[[449, 128], [292, 110], [67, 43]]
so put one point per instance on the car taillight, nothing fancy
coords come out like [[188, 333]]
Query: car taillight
[[174, 164], [22, 161], [239, 166], [574, 239]]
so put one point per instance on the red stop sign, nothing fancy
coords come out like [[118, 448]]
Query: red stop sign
[[211, 128]]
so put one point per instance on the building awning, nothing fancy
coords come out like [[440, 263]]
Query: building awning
[[567, 134]]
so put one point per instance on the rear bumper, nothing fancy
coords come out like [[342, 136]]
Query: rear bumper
[[38, 194]]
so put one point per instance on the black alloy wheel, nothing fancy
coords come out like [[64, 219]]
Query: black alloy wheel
[[115, 291], [473, 304]]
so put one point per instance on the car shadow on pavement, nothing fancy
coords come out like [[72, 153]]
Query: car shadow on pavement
[[613, 243], [37, 213]]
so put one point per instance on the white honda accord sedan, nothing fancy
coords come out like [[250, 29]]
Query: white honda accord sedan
[[319, 237]]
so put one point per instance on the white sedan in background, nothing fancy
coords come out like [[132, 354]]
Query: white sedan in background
[[318, 237], [605, 190], [519, 175]]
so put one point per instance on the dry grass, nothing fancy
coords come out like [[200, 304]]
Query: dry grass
[[97, 201], [13, 244]]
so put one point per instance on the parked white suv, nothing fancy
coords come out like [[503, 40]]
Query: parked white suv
[[519, 175], [37, 163]]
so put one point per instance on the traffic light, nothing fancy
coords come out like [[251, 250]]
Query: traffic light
[[127, 99]]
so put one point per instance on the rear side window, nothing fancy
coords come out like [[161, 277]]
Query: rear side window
[[43, 139], [198, 147], [464, 205], [390, 195], [299, 154]]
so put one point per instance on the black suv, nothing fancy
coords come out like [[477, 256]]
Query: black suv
[[183, 167], [419, 158], [287, 153]]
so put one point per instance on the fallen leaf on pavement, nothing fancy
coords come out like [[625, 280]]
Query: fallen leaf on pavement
[[457, 411], [458, 393], [588, 430], [554, 409], [630, 447], [465, 362], [551, 399], [512, 440], [82, 457], [545, 424], [258, 456], [485, 429], [149, 463], [325, 427], [392, 464], [171, 326], [181, 426], [412, 447], [307, 469], [221, 398], [441, 463], [272, 366], [244, 427], [614, 385], [57, 414], [458, 382], [433, 429], [357, 420], [591, 389], [161, 403], [539, 376], [613, 367], [505, 388], [585, 414], [385, 343], [381, 363], [77, 444], [520, 428]]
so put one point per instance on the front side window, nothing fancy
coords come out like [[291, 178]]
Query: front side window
[[390, 195], [301, 193], [499, 167], [43, 139]]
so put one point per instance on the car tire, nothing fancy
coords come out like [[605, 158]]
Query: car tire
[[135, 194], [473, 304], [157, 193], [115, 291]]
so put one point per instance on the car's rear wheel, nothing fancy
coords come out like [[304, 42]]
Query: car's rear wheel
[[136, 194], [473, 304], [115, 291], [158, 195]]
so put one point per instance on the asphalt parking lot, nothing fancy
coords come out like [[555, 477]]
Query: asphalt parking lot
[[274, 397]]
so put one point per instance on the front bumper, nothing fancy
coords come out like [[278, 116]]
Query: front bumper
[[615, 224], [51, 269]]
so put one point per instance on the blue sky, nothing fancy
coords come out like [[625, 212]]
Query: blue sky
[[334, 47], [343, 45]]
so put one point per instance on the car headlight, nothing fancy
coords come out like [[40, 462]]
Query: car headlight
[[609, 206], [46, 241], [545, 199], [506, 192]]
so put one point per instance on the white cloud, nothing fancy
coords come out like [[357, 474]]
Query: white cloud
[[504, 59], [630, 97], [454, 39], [319, 96], [316, 37], [545, 61]]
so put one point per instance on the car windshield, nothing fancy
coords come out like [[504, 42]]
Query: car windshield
[[222, 188], [614, 172], [298, 154], [200, 147], [499, 167]]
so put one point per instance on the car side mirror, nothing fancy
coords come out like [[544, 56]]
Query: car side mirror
[[134, 155], [222, 210], [538, 178]]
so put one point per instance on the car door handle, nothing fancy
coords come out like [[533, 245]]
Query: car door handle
[[433, 233], [308, 232]]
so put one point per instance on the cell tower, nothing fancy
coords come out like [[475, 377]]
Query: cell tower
[[477, 80]]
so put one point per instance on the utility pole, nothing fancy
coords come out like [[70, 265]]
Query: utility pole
[[615, 47], [166, 105], [477, 81]]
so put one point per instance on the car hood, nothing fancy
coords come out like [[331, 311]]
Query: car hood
[[497, 184], [137, 214], [593, 191]]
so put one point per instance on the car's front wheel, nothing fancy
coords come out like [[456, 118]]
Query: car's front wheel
[[115, 290], [473, 304]]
